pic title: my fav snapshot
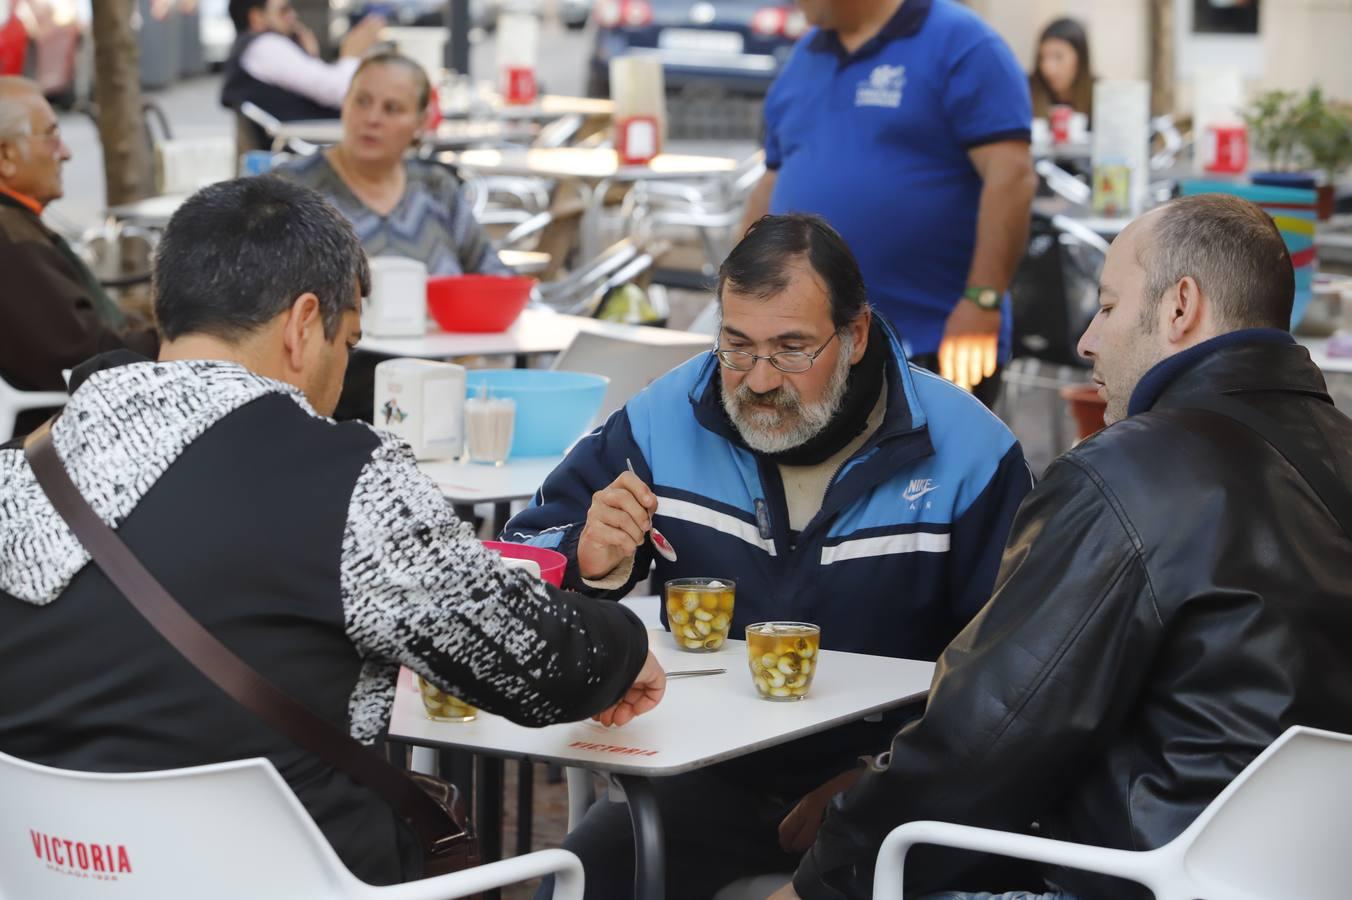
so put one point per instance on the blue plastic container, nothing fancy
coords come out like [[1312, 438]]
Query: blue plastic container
[[553, 409]]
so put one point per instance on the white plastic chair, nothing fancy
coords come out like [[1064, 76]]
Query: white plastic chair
[[218, 832], [1280, 829], [14, 401]]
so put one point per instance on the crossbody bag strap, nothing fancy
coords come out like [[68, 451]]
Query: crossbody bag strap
[[1331, 491], [434, 828]]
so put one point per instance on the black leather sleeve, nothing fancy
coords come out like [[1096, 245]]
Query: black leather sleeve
[[1021, 696]]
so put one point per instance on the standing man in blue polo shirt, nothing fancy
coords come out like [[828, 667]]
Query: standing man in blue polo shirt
[[905, 124]]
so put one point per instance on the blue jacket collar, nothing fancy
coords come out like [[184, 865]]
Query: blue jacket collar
[[1155, 381], [905, 22]]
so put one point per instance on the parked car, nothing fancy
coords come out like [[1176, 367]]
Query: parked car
[[48, 41], [738, 45], [482, 13]]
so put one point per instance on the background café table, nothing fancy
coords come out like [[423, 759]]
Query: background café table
[[701, 721], [535, 331], [545, 109], [465, 483], [593, 170], [449, 135]]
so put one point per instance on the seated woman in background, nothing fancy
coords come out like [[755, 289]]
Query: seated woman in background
[[1063, 75], [398, 205]]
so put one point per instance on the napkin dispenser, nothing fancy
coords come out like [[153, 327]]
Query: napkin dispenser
[[422, 402], [398, 302]]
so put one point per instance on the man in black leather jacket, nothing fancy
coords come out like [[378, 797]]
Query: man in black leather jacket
[[1173, 596]]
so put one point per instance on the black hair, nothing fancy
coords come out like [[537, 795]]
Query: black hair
[[239, 13], [759, 264], [238, 253]]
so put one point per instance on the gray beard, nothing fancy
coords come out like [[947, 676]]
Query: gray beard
[[791, 423]]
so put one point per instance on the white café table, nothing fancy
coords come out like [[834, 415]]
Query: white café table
[[455, 134], [152, 212], [465, 483], [701, 721], [593, 170], [545, 109], [1330, 365], [535, 331]]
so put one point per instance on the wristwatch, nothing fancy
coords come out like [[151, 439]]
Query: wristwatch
[[984, 297]]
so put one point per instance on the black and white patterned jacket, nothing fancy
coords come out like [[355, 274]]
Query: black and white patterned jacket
[[315, 550]]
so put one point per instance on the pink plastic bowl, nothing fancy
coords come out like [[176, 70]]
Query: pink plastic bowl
[[552, 562]]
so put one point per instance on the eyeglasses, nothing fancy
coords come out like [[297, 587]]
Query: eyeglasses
[[793, 362]]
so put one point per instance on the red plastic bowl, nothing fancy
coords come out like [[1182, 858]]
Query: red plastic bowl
[[552, 562], [485, 303]]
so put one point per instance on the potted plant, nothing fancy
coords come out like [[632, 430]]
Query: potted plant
[[1271, 118], [1326, 134]]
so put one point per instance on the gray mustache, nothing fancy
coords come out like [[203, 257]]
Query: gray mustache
[[779, 398]]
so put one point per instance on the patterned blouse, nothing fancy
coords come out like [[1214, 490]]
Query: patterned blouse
[[432, 223]]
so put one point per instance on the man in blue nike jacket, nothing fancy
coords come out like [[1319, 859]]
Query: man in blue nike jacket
[[835, 483]]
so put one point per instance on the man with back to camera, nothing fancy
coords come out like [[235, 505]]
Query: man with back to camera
[[1174, 594], [906, 124], [315, 550], [808, 462]]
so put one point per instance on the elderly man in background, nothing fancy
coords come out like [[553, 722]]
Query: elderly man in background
[[905, 124], [53, 312], [1174, 594]]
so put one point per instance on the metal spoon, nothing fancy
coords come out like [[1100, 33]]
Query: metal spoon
[[660, 543], [692, 673]]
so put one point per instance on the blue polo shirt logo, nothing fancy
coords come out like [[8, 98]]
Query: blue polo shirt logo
[[882, 88]]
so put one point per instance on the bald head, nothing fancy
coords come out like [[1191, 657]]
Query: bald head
[[16, 95], [31, 149], [1230, 247]]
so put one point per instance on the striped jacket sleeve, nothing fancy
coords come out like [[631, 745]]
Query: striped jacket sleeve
[[420, 590]]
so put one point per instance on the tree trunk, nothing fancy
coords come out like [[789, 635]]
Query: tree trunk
[[122, 129], [1162, 57]]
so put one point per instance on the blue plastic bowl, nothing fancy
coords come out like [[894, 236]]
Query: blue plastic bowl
[[553, 409]]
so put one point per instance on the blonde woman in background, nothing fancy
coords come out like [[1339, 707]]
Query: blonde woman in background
[[398, 205]]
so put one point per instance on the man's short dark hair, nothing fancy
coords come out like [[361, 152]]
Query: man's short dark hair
[[239, 13], [759, 264], [1232, 249], [238, 253]]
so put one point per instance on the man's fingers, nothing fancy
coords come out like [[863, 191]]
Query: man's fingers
[[618, 521], [992, 357], [634, 485], [611, 542], [647, 703], [946, 359], [623, 500]]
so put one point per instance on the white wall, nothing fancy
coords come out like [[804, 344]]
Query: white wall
[[1302, 42], [1117, 30]]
